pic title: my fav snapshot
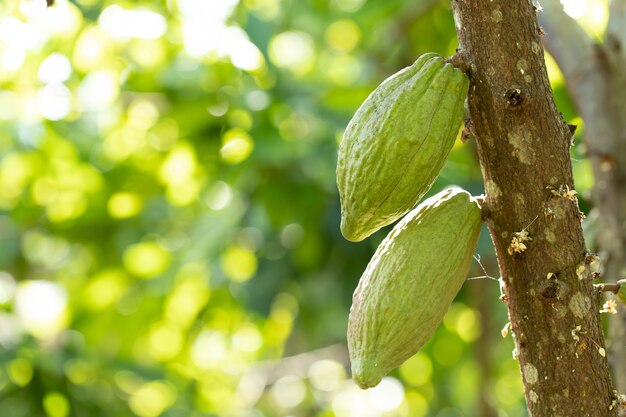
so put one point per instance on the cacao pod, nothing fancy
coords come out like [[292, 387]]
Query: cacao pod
[[410, 282], [397, 143]]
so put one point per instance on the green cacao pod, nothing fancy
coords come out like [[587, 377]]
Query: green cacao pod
[[397, 143], [410, 282]]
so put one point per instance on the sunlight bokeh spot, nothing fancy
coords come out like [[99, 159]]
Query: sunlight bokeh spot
[[247, 339], [278, 326], [354, 402], [164, 134], [245, 55], [191, 293], [343, 35], [348, 5], [16, 170], [125, 24], [56, 68], [179, 165], [288, 391], [240, 118], [20, 371], [204, 26], [417, 370], [463, 321], [98, 90], [148, 53], [7, 287], [592, 15], [575, 8], [41, 307], [294, 51], [62, 20], [33, 8], [291, 235], [327, 375], [165, 341], [11, 331], [105, 289], [79, 371], [178, 172], [417, 404], [341, 69], [128, 381], [146, 260], [238, 263], [208, 349], [237, 145], [45, 250], [218, 11], [54, 101], [447, 349], [143, 114], [90, 49], [264, 9], [152, 399], [56, 404], [182, 194], [257, 100], [218, 396], [297, 126], [9, 105], [123, 205], [468, 325], [66, 206], [19, 34], [122, 143], [387, 396], [13, 58], [219, 196]]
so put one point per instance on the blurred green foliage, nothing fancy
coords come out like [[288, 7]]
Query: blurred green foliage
[[169, 221]]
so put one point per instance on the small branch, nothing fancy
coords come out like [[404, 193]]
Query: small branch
[[609, 287], [461, 60]]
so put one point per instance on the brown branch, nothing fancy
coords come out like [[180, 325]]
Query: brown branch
[[594, 75], [523, 145], [609, 287]]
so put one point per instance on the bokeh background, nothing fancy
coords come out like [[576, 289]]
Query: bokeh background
[[169, 220]]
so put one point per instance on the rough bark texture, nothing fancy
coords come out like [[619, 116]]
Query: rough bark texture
[[596, 79], [523, 145]]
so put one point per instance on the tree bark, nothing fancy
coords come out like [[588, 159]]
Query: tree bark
[[595, 77], [532, 213]]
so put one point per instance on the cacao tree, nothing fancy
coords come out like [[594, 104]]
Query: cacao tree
[[530, 208], [595, 77]]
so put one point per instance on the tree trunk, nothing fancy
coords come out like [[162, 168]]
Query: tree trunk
[[532, 212], [595, 77]]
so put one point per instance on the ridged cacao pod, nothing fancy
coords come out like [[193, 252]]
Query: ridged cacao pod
[[410, 282], [397, 143]]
